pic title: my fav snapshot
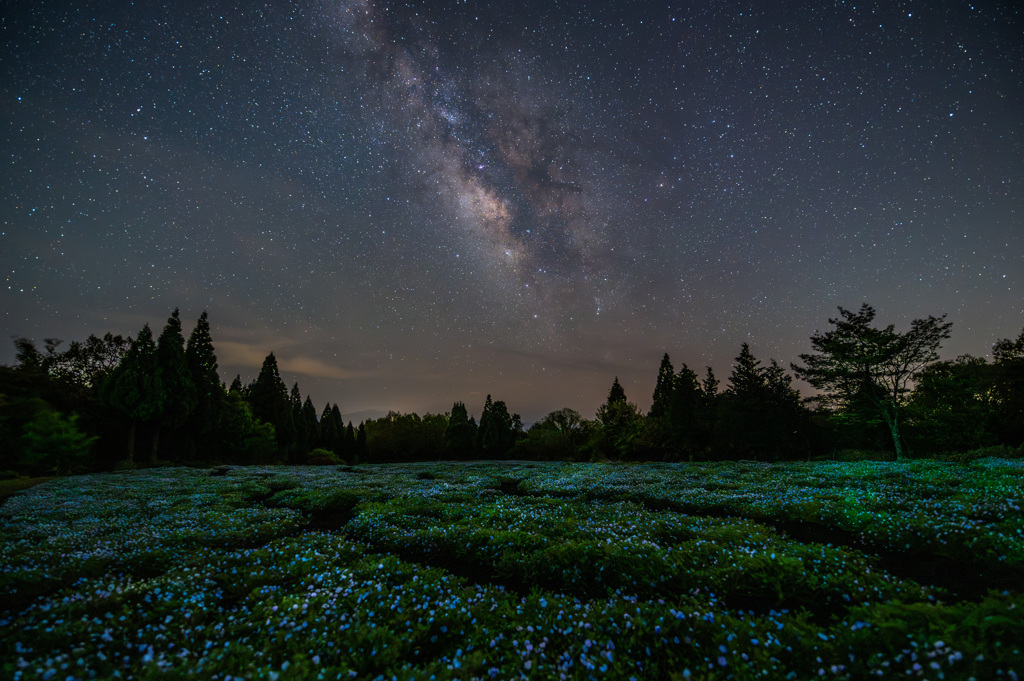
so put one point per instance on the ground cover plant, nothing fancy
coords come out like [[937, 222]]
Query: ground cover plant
[[518, 570]]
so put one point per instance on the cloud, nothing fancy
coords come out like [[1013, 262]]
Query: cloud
[[250, 355]]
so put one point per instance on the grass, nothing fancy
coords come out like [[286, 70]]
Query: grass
[[512, 570]]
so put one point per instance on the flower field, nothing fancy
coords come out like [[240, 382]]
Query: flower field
[[518, 570]]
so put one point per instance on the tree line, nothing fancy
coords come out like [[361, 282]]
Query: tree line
[[115, 402]]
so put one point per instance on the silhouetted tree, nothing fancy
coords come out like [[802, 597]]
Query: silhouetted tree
[[663, 390], [858, 363], [1008, 390], [133, 389], [360, 454], [760, 414], [496, 435], [268, 397], [621, 425], [459, 436], [950, 409], [179, 393], [201, 360], [312, 425]]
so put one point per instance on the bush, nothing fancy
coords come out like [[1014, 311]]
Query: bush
[[993, 452], [323, 457]]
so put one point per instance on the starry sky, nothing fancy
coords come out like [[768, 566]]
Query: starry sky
[[413, 203]]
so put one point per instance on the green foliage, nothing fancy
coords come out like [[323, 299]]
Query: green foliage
[[950, 407], [52, 442], [187, 575], [243, 438], [322, 457]]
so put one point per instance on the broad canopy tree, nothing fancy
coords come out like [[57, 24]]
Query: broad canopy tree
[[866, 371]]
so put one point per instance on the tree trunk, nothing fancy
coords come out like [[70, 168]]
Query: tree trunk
[[892, 420]]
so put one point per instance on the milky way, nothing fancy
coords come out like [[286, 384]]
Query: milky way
[[421, 202]]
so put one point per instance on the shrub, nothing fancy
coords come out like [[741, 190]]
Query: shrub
[[323, 457]]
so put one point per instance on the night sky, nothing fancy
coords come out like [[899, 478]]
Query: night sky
[[421, 202]]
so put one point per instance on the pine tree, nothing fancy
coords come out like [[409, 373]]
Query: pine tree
[[300, 449], [684, 414], [338, 428], [268, 397], [360, 453], [236, 385], [617, 394], [478, 444], [202, 367], [349, 443], [312, 428], [133, 388], [179, 393], [328, 431], [497, 430], [663, 390], [621, 424]]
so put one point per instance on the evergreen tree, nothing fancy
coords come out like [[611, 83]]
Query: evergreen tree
[[663, 390], [360, 453], [497, 430], [329, 435], [236, 385], [338, 428], [349, 444], [621, 424], [312, 425], [459, 436], [179, 393], [478, 444], [202, 367], [300, 449], [617, 394], [760, 414], [268, 397], [133, 388], [684, 433]]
